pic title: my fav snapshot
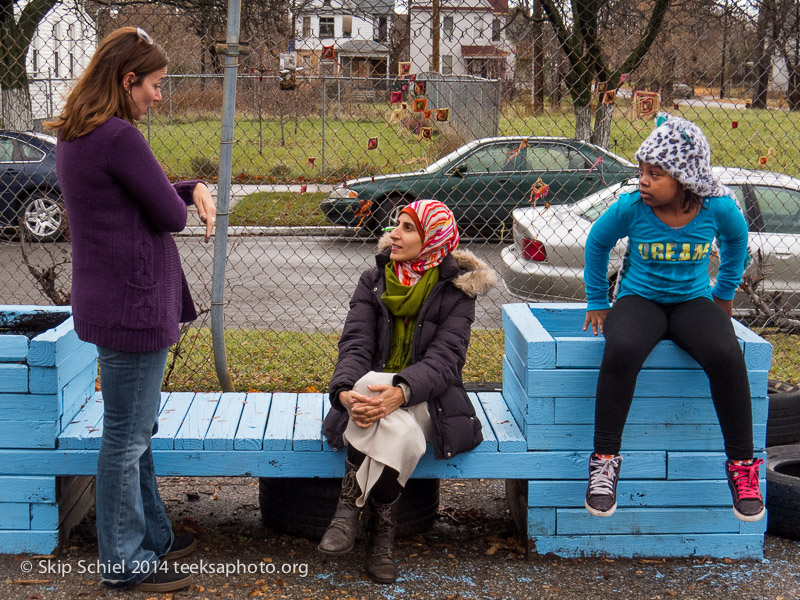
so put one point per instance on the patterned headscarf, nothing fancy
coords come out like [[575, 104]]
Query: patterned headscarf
[[437, 228], [680, 148]]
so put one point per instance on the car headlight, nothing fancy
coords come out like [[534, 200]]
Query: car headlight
[[342, 193]]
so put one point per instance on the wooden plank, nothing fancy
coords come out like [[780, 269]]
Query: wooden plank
[[192, 431], [704, 465], [29, 406], [88, 418], [28, 434], [489, 443], [13, 378], [250, 433], [651, 521], [27, 489], [644, 410], [28, 542], [326, 408], [655, 436], [222, 431], [561, 465], [307, 436], [587, 353], [16, 515], [512, 354], [76, 392], [718, 545], [534, 344], [514, 394], [170, 419], [53, 346], [280, 424], [44, 516], [509, 437], [13, 348], [757, 350], [633, 493], [541, 521], [560, 318], [48, 380], [582, 383]]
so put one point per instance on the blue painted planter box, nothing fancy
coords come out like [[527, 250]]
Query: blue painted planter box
[[46, 375], [673, 496]]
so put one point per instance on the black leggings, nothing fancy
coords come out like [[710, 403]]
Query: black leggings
[[632, 329], [387, 489]]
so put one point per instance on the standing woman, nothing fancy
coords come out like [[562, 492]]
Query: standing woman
[[397, 384], [129, 293]]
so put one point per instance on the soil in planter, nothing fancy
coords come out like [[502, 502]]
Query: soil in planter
[[32, 324]]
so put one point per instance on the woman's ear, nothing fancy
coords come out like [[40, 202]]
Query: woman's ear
[[128, 80]]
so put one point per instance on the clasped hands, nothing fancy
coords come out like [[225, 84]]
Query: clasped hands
[[366, 410]]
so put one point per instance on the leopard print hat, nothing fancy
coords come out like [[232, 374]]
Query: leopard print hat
[[681, 148]]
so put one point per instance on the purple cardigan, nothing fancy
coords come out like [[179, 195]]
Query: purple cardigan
[[129, 292]]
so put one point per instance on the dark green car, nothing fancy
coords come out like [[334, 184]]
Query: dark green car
[[482, 182]]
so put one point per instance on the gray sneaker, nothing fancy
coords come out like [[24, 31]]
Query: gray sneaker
[[601, 495]]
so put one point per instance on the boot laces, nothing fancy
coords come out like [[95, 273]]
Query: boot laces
[[602, 477], [745, 479]]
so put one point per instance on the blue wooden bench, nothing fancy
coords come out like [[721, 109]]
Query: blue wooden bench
[[672, 494]]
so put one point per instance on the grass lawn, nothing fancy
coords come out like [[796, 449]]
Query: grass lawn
[[279, 209], [287, 361]]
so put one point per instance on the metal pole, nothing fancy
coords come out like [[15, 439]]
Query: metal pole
[[223, 197], [169, 85]]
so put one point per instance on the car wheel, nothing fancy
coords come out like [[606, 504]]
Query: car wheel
[[42, 216], [783, 491], [783, 422], [387, 213]]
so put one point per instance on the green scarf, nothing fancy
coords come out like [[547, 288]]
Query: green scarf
[[405, 303]]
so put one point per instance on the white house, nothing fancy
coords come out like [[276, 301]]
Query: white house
[[358, 30], [472, 40], [60, 50]]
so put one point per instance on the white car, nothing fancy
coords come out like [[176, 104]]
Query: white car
[[546, 260]]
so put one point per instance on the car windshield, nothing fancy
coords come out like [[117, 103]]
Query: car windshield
[[439, 164], [595, 205]]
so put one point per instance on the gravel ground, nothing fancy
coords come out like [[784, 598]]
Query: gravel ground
[[471, 552]]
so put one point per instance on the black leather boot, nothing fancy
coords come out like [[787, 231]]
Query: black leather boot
[[380, 548], [341, 534]]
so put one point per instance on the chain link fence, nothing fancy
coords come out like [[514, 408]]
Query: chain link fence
[[347, 110]]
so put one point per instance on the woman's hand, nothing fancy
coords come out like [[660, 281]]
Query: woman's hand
[[726, 305], [201, 196], [366, 410], [596, 318]]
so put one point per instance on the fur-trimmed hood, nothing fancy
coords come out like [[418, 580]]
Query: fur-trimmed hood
[[476, 277]]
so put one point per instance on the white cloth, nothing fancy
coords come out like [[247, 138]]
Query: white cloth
[[397, 441]]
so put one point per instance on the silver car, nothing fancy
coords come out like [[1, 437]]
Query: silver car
[[546, 260]]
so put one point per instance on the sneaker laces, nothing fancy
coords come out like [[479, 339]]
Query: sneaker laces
[[745, 479], [602, 476]]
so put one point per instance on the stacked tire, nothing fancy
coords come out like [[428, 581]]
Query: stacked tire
[[783, 460]]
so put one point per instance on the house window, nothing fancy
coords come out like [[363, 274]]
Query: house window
[[478, 27], [306, 27], [35, 61], [57, 32], [381, 29], [56, 61], [347, 26], [447, 27], [447, 64], [326, 27], [496, 30], [71, 65]]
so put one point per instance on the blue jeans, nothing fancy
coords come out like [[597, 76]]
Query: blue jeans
[[133, 530]]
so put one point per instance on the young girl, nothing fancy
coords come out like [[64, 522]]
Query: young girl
[[664, 291], [397, 383]]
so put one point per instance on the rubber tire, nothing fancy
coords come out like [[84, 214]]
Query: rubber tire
[[386, 213], [783, 423], [304, 507], [783, 491]]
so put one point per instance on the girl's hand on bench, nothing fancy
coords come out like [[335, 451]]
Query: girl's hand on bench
[[596, 318]]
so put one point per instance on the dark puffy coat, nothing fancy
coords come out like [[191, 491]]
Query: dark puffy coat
[[438, 351]]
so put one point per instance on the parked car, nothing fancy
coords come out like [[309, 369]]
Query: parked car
[[482, 182], [682, 90], [547, 256], [29, 191]]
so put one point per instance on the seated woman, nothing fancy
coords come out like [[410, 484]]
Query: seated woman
[[403, 347]]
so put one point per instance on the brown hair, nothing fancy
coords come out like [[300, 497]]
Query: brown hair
[[690, 200], [99, 93]]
